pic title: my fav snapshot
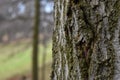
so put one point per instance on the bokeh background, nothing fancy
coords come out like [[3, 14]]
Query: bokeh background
[[16, 31]]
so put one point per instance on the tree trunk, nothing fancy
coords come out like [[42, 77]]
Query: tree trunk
[[35, 41], [86, 40]]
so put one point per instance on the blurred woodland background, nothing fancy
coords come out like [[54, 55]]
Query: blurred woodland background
[[16, 31]]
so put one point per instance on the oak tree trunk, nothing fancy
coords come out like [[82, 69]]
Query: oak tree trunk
[[86, 40]]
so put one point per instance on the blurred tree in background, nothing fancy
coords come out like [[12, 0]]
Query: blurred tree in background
[[35, 40], [16, 33]]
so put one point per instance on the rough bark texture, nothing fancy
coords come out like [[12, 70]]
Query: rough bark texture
[[86, 40]]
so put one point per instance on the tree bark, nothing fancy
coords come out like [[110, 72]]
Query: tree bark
[[86, 40]]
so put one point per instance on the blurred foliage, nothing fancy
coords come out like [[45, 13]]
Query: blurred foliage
[[16, 24]]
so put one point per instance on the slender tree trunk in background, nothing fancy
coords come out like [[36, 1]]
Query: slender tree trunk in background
[[86, 40], [44, 61], [35, 41]]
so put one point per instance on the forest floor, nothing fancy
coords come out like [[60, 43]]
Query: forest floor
[[16, 57]]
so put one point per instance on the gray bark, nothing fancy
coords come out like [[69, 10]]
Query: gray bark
[[86, 40]]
